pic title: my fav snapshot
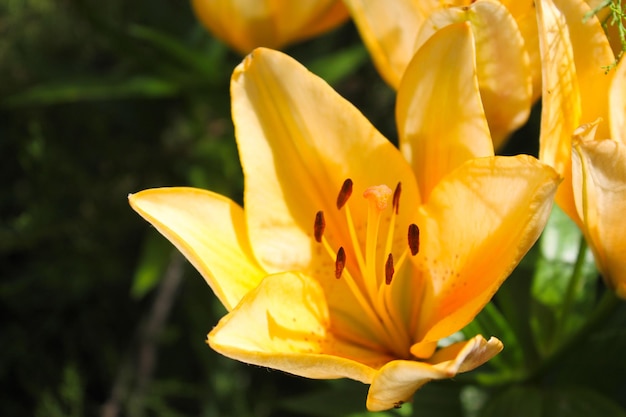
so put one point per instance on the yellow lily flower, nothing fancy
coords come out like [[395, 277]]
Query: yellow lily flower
[[394, 30], [349, 261], [247, 24]]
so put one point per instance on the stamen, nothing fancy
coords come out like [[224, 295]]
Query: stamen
[[344, 193], [414, 239], [396, 197], [340, 262], [319, 226], [389, 269]]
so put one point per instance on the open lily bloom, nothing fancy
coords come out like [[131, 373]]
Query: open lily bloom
[[247, 24], [348, 260], [394, 30], [577, 90]]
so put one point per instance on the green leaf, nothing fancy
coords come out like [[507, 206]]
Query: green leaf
[[491, 322], [92, 90], [205, 63], [438, 399], [152, 263], [563, 401], [342, 399], [563, 289], [579, 402], [334, 67], [516, 401]]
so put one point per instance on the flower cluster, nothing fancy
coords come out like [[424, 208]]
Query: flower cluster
[[353, 258]]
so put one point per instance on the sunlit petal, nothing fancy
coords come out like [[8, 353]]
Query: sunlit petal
[[298, 141], [472, 237], [599, 178], [388, 29], [617, 103], [502, 63], [396, 382], [592, 56], [247, 24], [284, 324], [210, 231], [524, 13], [441, 122]]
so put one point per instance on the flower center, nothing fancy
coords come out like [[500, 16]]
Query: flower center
[[372, 267]]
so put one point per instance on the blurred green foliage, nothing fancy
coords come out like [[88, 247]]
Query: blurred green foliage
[[100, 316], [98, 100]]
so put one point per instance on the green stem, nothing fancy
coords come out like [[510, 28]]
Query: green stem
[[602, 312], [570, 295]]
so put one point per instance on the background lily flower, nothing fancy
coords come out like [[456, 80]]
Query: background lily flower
[[575, 52], [599, 185], [577, 90], [393, 31], [247, 24], [349, 261]]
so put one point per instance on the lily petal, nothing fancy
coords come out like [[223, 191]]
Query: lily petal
[[599, 178], [592, 56], [574, 52], [396, 382], [246, 24], [388, 29], [561, 112], [617, 103], [502, 63], [210, 231], [524, 13], [478, 224], [284, 324], [440, 118], [298, 142], [561, 108]]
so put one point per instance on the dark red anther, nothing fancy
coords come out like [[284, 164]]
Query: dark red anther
[[414, 239], [396, 197], [389, 269], [319, 226], [344, 193], [340, 263]]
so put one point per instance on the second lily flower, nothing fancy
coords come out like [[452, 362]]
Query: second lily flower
[[349, 261]]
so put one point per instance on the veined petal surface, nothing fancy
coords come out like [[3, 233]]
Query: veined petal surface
[[502, 62], [298, 141], [592, 56], [599, 178], [617, 104], [284, 324], [440, 118], [472, 237], [210, 231]]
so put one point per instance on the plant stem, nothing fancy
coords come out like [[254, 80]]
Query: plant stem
[[602, 312], [570, 295]]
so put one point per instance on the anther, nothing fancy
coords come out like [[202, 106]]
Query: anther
[[344, 193], [340, 263], [319, 226], [414, 239], [389, 270], [396, 197]]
